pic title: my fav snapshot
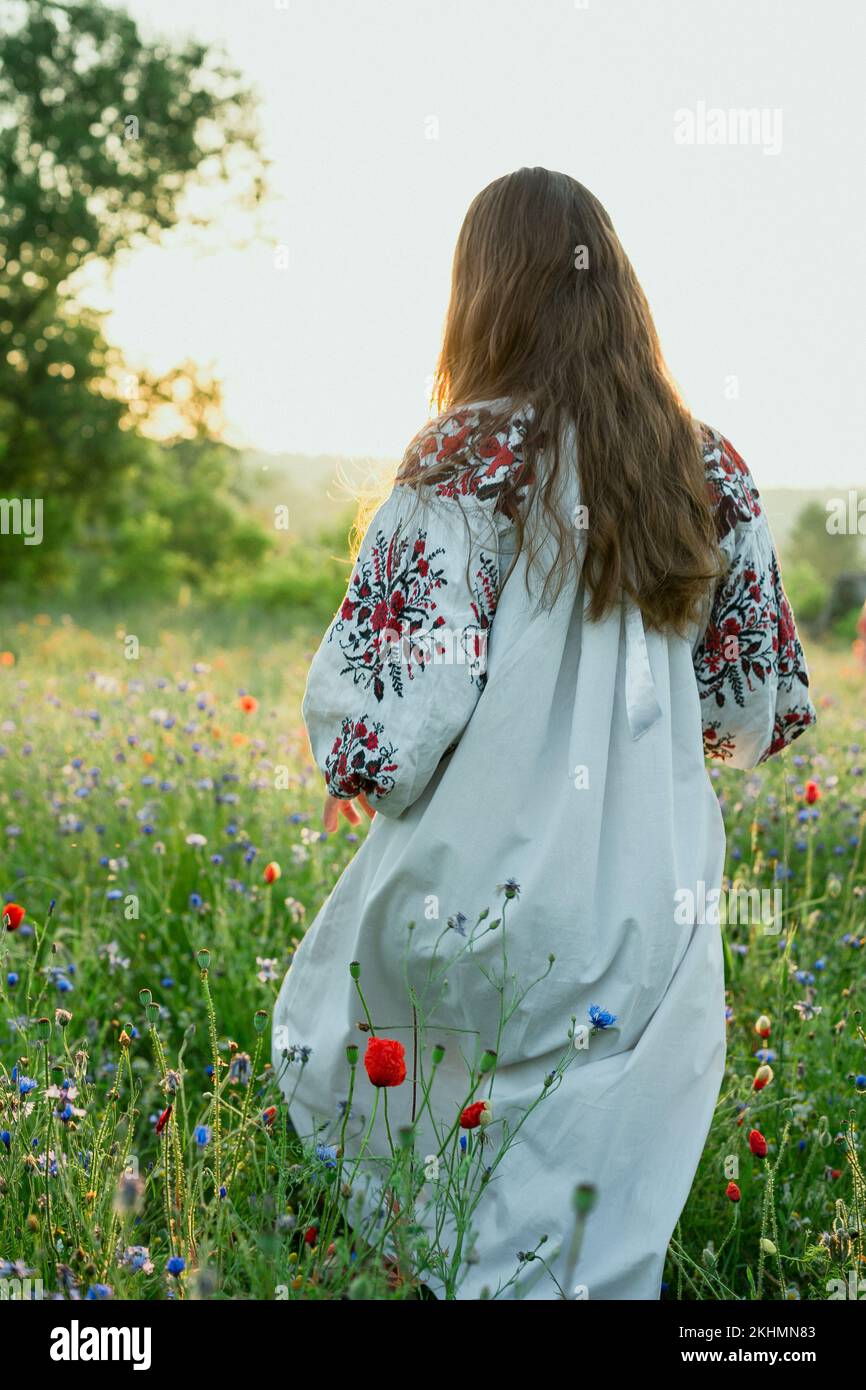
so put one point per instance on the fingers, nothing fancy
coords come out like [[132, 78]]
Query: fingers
[[335, 807]]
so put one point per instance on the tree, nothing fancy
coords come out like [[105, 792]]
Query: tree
[[101, 137], [813, 543]]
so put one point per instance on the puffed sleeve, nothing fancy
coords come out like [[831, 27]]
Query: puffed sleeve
[[751, 672], [403, 663]]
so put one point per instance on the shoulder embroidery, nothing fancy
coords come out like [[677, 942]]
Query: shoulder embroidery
[[483, 461], [731, 485]]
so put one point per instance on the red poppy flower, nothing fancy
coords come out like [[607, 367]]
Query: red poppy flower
[[757, 1143], [269, 1115], [813, 792], [385, 1061], [478, 1113], [248, 703], [163, 1119], [272, 872], [311, 1235], [733, 1192], [13, 916]]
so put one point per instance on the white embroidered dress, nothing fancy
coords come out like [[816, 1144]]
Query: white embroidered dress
[[571, 762]]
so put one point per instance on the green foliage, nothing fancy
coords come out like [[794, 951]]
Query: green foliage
[[807, 591], [101, 137], [306, 582], [845, 629], [828, 554]]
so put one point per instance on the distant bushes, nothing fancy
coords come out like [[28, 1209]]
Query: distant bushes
[[807, 591], [303, 584]]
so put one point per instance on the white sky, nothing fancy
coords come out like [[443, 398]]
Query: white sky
[[753, 263]]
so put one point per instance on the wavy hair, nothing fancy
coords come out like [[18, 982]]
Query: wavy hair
[[546, 311]]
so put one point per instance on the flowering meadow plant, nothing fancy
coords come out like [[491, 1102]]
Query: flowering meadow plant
[[162, 858]]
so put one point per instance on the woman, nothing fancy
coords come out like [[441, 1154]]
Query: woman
[[569, 597]]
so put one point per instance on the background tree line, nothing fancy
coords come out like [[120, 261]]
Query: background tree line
[[101, 136]]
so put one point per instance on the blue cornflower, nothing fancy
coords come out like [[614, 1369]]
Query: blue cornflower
[[600, 1018], [327, 1154], [26, 1084], [176, 1265], [860, 1082], [12, 979], [195, 900], [100, 1291], [202, 1135]]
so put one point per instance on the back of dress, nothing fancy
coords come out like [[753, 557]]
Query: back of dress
[[524, 757]]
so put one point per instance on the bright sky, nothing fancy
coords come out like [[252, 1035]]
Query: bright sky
[[751, 254]]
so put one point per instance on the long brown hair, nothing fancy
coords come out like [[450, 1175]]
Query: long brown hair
[[546, 311]]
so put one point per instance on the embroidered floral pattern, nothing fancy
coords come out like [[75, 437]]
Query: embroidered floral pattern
[[482, 461], [359, 761], [731, 485], [390, 599], [486, 590], [750, 644]]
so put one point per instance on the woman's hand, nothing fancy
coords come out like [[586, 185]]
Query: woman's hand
[[334, 808]]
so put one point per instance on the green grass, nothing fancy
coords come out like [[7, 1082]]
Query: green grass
[[109, 765]]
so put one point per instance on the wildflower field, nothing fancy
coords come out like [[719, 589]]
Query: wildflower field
[[162, 855]]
